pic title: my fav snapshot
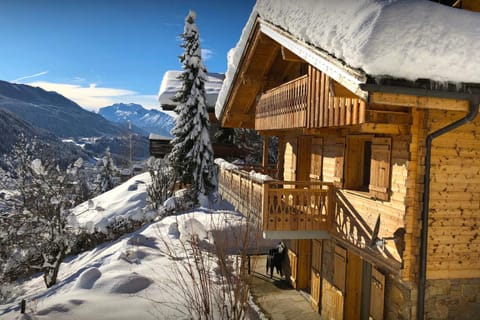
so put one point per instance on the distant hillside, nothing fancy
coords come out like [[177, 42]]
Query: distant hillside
[[149, 121], [53, 112], [11, 127]]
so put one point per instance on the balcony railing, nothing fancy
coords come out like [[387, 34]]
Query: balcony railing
[[310, 101], [284, 106], [280, 205]]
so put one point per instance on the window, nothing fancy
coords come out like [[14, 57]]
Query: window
[[363, 164]]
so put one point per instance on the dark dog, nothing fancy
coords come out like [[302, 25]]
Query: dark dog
[[275, 259]]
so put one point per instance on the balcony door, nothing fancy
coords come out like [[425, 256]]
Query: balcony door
[[290, 159], [297, 158]]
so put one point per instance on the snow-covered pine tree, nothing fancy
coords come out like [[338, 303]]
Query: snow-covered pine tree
[[107, 172], [192, 154]]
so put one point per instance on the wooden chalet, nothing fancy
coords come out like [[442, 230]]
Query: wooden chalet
[[377, 191], [160, 146]]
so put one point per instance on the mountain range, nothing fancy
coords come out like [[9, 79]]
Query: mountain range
[[12, 127], [53, 119], [53, 112], [148, 121]]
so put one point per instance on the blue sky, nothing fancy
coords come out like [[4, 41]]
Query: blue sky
[[98, 52]]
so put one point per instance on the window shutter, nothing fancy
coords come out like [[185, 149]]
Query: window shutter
[[339, 161], [316, 160], [380, 168], [377, 295], [340, 268]]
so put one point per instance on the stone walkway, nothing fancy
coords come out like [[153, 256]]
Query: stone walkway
[[277, 299]]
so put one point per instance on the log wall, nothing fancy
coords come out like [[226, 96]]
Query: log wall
[[454, 235], [357, 213]]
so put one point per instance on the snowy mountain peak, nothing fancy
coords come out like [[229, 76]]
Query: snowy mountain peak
[[149, 121]]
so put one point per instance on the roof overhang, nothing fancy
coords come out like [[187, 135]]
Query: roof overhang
[[408, 96], [348, 77], [255, 61]]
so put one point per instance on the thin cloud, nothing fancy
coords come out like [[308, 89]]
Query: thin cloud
[[206, 54], [92, 97], [31, 76]]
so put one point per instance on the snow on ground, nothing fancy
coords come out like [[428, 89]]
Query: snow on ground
[[126, 200], [119, 279]]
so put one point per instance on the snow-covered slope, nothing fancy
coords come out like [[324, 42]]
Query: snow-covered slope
[[130, 278], [124, 201], [149, 121]]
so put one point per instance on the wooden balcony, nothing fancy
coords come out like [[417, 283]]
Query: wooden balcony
[[286, 209], [311, 101], [283, 107]]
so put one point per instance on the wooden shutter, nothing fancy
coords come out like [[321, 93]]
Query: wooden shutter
[[339, 161], [377, 295], [316, 159], [315, 276], [339, 273], [380, 168]]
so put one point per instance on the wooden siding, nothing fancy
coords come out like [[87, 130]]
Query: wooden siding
[[356, 212], [330, 104], [454, 235], [413, 198]]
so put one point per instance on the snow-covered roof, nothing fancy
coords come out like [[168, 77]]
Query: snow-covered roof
[[154, 136], [404, 39], [171, 85]]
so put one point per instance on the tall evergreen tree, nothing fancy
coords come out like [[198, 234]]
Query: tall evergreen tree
[[192, 154]]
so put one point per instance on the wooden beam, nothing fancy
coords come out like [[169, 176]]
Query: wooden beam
[[240, 117], [391, 129], [265, 151], [288, 55], [417, 101], [322, 131]]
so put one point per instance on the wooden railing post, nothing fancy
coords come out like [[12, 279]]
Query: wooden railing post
[[330, 207], [265, 213]]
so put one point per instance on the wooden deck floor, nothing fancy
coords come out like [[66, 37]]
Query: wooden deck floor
[[275, 297]]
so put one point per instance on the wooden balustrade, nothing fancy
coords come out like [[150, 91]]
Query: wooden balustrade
[[284, 106], [280, 205], [297, 206], [330, 104], [310, 101]]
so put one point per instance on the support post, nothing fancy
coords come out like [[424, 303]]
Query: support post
[[265, 152]]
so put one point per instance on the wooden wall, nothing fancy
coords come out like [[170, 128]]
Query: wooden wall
[[357, 218], [454, 235]]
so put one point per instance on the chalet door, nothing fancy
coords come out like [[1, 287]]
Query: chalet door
[[290, 160], [377, 295], [353, 292], [304, 158], [315, 277], [303, 264], [293, 262]]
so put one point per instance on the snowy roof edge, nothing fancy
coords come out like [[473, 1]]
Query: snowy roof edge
[[372, 25]]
